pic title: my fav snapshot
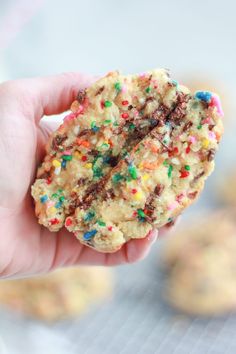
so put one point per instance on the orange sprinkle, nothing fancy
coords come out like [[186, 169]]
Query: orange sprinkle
[[150, 165], [110, 142], [154, 148], [82, 142], [218, 136]]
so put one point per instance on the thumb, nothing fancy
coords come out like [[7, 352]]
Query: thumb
[[45, 95]]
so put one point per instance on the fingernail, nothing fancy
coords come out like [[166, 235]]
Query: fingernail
[[152, 237]]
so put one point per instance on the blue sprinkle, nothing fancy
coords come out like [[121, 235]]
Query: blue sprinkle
[[43, 199], [174, 82], [89, 216], [58, 205], [63, 164], [88, 235], [203, 96], [95, 128]]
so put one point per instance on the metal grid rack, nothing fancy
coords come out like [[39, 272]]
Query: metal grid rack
[[136, 320]]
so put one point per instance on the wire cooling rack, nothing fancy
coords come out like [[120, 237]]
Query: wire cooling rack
[[136, 320]]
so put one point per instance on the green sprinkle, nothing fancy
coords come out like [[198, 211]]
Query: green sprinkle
[[97, 172], [199, 126], [89, 216], [118, 86], [170, 220], [107, 103], [165, 163], [141, 213], [107, 121], [133, 172], [131, 126], [54, 195], [60, 190], [67, 157], [101, 223], [165, 141], [148, 89], [62, 198], [117, 177], [187, 167], [170, 169]]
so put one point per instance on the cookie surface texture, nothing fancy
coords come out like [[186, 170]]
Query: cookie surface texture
[[134, 152], [200, 263], [59, 295]]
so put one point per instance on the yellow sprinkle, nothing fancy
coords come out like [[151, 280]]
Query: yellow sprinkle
[[88, 165], [145, 177], [51, 210], [56, 163], [140, 165], [138, 196], [205, 143]]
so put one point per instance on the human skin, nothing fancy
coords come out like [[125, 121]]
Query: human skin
[[26, 247]]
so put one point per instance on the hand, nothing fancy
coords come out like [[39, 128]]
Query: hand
[[25, 246]]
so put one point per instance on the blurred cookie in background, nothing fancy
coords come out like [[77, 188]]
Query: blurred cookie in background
[[59, 295], [200, 266]]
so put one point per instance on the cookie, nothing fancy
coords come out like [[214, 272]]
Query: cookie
[[200, 266], [134, 152], [59, 295]]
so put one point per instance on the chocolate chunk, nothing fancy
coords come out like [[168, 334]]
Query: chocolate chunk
[[180, 110], [113, 161], [93, 152], [159, 189], [197, 177], [187, 126], [211, 126], [161, 113], [83, 132], [81, 96], [192, 195], [130, 107], [81, 181], [211, 154], [109, 194], [99, 91], [57, 141]]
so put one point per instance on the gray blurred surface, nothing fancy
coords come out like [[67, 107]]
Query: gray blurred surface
[[189, 37], [136, 321]]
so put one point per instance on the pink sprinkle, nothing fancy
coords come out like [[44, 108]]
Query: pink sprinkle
[[124, 89], [67, 152], [80, 110], [179, 197], [206, 121], [211, 135], [215, 102], [69, 117], [192, 139], [50, 204], [172, 206], [110, 228], [136, 113], [142, 76]]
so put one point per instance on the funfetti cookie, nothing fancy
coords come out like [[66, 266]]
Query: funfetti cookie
[[134, 152], [62, 294], [200, 266]]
